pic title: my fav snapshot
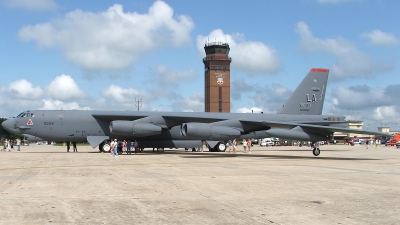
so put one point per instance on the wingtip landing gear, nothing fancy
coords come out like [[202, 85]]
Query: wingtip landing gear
[[316, 151]]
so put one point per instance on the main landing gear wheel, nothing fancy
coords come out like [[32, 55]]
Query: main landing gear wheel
[[105, 147], [316, 151], [220, 147]]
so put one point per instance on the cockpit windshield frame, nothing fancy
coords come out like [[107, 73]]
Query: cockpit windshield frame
[[26, 114]]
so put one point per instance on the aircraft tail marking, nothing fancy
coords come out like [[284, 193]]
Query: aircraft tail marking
[[309, 96]]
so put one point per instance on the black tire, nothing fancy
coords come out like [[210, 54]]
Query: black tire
[[316, 151], [105, 146], [220, 147]]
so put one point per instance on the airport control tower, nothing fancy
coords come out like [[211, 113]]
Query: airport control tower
[[217, 94]]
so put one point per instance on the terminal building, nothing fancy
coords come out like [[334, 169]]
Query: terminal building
[[339, 136], [217, 82]]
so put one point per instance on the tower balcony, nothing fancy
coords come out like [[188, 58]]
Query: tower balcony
[[207, 58]]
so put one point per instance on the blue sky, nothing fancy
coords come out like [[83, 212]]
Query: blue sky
[[104, 55]]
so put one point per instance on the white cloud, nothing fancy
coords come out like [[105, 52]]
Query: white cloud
[[63, 87], [248, 56], [193, 103], [57, 104], [351, 63], [30, 4], [270, 97], [372, 105], [165, 75], [386, 113], [249, 110], [239, 86], [359, 97], [20, 95], [378, 37], [124, 95], [113, 39], [23, 89]]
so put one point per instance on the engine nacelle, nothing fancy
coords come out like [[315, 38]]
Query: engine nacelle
[[130, 128], [205, 131]]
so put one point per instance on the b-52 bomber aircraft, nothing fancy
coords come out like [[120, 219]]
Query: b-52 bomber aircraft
[[300, 118]]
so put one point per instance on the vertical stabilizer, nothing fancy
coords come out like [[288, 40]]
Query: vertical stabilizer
[[309, 96]]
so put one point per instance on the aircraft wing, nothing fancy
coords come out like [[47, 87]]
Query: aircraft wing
[[326, 122], [313, 127], [343, 130], [178, 117]]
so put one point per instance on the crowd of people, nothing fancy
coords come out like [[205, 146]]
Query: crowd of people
[[119, 147], [232, 145], [9, 144]]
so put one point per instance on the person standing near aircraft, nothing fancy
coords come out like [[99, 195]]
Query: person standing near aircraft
[[4, 145], [12, 144], [128, 147], [229, 146], [112, 147], [115, 148], [74, 146], [68, 146], [203, 143], [18, 144], [377, 143], [136, 146], [123, 146], [244, 145], [249, 145], [132, 147], [9, 145], [234, 144]]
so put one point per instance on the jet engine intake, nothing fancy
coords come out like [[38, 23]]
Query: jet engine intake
[[205, 131], [130, 128]]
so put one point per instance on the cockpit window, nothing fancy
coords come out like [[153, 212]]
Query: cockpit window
[[21, 115], [26, 114]]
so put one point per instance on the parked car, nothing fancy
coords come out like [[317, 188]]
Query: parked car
[[266, 142]]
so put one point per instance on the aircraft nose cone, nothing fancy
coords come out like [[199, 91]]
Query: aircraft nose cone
[[8, 124]]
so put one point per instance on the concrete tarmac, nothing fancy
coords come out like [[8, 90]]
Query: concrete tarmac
[[271, 185]]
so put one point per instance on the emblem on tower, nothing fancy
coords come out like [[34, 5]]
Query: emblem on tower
[[220, 78]]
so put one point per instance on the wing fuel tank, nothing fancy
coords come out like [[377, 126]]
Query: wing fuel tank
[[295, 135]]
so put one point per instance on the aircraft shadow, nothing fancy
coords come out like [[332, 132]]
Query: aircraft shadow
[[206, 154], [254, 155]]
